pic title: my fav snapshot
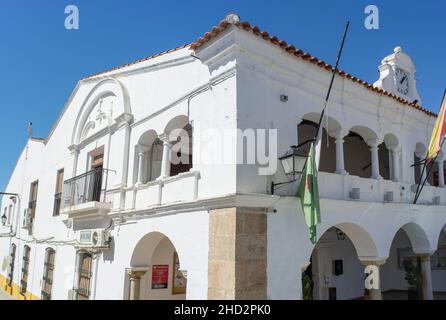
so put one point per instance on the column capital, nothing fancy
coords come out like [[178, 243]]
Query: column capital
[[74, 148], [339, 134], [135, 274], [425, 256], [368, 261], [374, 143], [165, 138], [142, 148]]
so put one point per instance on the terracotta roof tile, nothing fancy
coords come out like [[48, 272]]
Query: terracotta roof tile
[[305, 56], [292, 50]]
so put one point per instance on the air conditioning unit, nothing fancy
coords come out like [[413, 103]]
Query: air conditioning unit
[[94, 238], [436, 200], [388, 196], [27, 219], [355, 194]]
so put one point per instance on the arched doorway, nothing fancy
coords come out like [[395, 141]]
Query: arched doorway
[[155, 272], [335, 271], [406, 269]]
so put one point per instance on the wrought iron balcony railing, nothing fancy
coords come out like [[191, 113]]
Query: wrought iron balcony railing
[[88, 187]]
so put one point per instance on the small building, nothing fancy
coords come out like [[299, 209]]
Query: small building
[[161, 180]]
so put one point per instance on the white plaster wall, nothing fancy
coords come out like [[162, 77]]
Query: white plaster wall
[[289, 248], [157, 93]]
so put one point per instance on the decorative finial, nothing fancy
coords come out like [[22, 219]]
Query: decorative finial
[[232, 18], [397, 49]]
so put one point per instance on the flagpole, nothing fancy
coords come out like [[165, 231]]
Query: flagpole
[[417, 195], [318, 134], [421, 175]]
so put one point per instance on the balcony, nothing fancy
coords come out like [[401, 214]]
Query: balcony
[[339, 187], [86, 196]]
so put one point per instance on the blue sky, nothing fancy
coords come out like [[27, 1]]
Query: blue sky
[[41, 61]]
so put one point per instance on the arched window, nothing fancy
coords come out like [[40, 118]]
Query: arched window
[[11, 264], [48, 272], [25, 269], [83, 271], [182, 149]]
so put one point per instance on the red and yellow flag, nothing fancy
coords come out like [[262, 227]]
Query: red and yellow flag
[[439, 131]]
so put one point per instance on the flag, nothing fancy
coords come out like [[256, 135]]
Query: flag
[[318, 142], [308, 193], [439, 132]]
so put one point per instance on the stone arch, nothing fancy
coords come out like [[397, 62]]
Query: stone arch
[[365, 132], [336, 260], [146, 246], [357, 150], [147, 138], [155, 253], [418, 237], [331, 124], [177, 122], [106, 89], [363, 242], [332, 128]]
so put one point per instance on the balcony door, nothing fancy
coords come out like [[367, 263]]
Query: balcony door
[[97, 164]]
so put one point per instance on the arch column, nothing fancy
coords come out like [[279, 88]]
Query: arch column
[[395, 163], [440, 173], [374, 143], [339, 140], [374, 293], [135, 283], [142, 152], [165, 164], [425, 259], [322, 270]]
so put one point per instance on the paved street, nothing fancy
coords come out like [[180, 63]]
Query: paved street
[[5, 296]]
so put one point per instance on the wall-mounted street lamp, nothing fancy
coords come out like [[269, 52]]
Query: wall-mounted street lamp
[[13, 197], [293, 163]]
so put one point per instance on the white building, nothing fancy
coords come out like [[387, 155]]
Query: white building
[[101, 213]]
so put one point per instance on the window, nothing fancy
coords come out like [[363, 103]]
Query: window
[[4, 211], [58, 192], [48, 271], [84, 276], [11, 264], [33, 201], [9, 214], [25, 268]]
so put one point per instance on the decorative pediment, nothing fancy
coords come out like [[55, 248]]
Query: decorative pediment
[[106, 105]]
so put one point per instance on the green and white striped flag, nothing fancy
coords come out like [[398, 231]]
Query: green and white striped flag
[[308, 193]]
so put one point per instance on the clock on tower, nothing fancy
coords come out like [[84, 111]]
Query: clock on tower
[[402, 81], [397, 75]]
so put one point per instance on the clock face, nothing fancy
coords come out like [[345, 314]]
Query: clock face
[[402, 81]]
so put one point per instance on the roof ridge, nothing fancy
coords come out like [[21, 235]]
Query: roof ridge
[[298, 53], [136, 61]]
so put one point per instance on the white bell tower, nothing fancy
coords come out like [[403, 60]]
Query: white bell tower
[[397, 75]]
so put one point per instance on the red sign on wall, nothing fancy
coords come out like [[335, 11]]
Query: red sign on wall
[[160, 276]]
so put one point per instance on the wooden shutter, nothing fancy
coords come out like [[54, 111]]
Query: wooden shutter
[[84, 272], [48, 272], [25, 268]]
